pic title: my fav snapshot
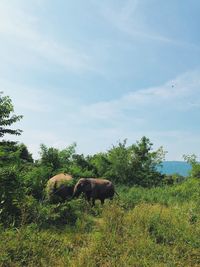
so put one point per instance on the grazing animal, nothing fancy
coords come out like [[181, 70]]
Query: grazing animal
[[60, 186], [94, 188]]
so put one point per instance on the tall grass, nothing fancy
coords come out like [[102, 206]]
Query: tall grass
[[143, 227], [148, 235], [166, 195]]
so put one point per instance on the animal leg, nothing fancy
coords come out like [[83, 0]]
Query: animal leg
[[88, 198], [102, 201], [93, 202]]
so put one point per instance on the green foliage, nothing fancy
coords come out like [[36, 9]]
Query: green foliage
[[31, 247], [24, 154], [149, 235], [46, 215], [82, 167], [166, 195], [144, 227], [173, 179], [192, 160], [120, 164], [12, 153], [50, 157], [101, 164], [7, 118], [67, 161], [57, 159], [11, 193], [35, 180], [133, 165]]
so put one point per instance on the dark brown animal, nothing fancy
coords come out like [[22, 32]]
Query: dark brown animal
[[60, 186], [94, 189]]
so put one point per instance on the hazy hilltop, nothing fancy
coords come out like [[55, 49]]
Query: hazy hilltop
[[172, 167]]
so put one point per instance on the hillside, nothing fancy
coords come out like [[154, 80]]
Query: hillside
[[172, 167]]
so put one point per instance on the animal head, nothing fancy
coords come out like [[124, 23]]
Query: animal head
[[82, 186]]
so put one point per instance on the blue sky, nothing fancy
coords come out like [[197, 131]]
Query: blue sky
[[95, 72]]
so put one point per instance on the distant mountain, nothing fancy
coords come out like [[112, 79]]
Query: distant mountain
[[172, 167]]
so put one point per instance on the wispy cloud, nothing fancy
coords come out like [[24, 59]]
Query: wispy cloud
[[176, 94], [95, 127], [36, 99], [23, 29], [136, 114], [128, 18]]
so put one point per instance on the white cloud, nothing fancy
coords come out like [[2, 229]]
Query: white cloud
[[95, 127], [175, 94], [57, 120]]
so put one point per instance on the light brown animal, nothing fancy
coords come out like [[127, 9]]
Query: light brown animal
[[60, 185]]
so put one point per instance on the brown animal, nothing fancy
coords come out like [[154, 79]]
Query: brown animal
[[94, 189], [61, 186]]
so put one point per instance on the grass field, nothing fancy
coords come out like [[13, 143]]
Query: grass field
[[143, 227]]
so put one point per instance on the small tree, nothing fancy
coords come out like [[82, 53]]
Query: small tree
[[136, 164], [145, 163], [119, 158], [58, 160], [192, 160], [14, 154], [50, 157], [100, 164], [7, 118]]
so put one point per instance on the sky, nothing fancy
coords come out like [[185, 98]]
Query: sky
[[96, 72]]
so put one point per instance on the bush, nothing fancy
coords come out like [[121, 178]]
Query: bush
[[35, 181], [11, 193], [31, 247], [46, 215]]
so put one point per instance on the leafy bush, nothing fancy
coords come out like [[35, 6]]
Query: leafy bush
[[31, 247], [131, 165], [35, 181], [47, 215], [192, 160], [11, 193]]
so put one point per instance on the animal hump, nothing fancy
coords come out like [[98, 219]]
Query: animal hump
[[61, 177]]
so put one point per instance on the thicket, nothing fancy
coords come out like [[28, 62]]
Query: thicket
[[155, 221]]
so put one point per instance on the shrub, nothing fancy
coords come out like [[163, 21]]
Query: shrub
[[35, 181], [11, 192]]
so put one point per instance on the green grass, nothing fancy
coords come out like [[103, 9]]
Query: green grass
[[143, 227]]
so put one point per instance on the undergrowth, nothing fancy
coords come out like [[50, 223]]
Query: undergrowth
[[143, 227]]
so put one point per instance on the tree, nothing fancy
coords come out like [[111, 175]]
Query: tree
[[120, 168], [58, 160], [12, 153], [50, 157], [7, 118], [145, 163], [24, 154], [192, 160], [136, 164], [100, 163]]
